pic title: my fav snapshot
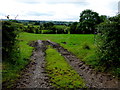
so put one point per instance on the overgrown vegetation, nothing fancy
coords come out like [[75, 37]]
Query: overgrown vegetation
[[9, 41], [108, 45], [15, 54], [60, 72]]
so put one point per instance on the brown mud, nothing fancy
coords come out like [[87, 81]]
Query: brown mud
[[34, 76]]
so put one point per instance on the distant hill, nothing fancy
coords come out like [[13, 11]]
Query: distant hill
[[41, 22]]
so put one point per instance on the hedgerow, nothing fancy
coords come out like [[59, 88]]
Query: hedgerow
[[10, 49], [108, 44]]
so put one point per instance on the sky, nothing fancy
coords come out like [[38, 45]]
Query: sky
[[55, 10]]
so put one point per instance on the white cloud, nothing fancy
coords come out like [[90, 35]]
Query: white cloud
[[55, 9]]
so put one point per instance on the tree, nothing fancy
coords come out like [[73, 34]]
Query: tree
[[115, 19], [88, 21], [103, 18], [48, 25], [73, 28]]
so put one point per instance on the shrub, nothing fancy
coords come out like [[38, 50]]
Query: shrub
[[10, 47], [108, 43]]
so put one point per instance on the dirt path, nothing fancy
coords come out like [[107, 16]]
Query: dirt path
[[34, 76], [93, 79]]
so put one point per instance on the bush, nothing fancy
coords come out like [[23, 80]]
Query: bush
[[10, 47], [108, 44]]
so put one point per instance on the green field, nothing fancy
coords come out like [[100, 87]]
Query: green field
[[80, 45]]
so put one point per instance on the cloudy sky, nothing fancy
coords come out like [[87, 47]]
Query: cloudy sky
[[63, 10]]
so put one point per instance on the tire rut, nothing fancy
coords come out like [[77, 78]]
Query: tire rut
[[92, 78], [34, 76]]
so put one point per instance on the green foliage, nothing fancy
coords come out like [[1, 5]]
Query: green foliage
[[32, 29], [61, 74], [48, 25], [10, 49], [47, 28], [108, 43], [103, 18], [88, 21], [11, 71], [73, 28], [61, 29], [115, 19], [15, 54]]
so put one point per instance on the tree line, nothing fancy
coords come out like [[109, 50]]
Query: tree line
[[86, 25], [47, 28]]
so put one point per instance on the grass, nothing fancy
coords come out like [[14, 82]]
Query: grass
[[11, 72], [82, 45], [74, 43], [60, 72]]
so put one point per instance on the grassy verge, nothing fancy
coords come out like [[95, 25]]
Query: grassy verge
[[11, 72], [60, 72]]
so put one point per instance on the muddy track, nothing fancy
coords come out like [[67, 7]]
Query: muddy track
[[34, 75], [92, 78]]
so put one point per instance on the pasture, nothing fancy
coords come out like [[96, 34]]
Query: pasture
[[82, 45]]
